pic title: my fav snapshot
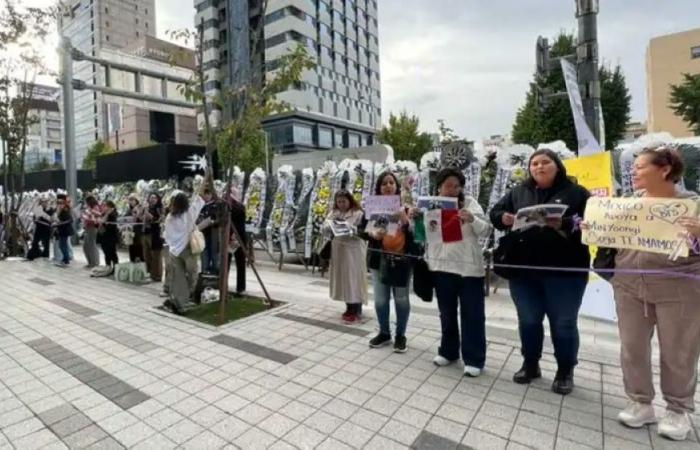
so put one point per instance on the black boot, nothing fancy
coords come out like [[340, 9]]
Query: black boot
[[528, 372], [563, 381]]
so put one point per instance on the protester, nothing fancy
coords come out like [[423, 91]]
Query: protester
[[668, 303], [348, 271], [182, 267], [64, 227], [388, 251], [90, 218], [152, 242], [457, 270], [208, 225], [238, 241], [108, 234], [557, 295], [42, 230], [134, 214]]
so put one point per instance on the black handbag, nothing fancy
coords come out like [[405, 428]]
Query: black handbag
[[394, 270], [423, 284], [604, 259], [325, 252], [509, 251]]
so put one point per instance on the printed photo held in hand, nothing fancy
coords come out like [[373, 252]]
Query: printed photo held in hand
[[340, 227], [383, 214], [426, 203], [539, 215]]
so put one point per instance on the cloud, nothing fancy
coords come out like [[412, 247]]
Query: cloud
[[470, 62]]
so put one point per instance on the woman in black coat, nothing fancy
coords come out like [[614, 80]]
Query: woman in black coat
[[108, 235], [540, 293]]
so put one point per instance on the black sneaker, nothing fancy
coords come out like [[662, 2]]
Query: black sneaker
[[400, 344], [380, 340], [563, 381]]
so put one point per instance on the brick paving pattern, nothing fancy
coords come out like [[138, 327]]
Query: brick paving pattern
[[91, 363]]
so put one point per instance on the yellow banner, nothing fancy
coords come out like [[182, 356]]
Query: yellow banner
[[647, 224], [593, 172]]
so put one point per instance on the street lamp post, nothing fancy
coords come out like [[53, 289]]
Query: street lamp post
[[66, 52]]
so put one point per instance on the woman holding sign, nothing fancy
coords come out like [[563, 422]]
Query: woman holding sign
[[544, 236], [671, 304], [389, 239], [456, 262], [348, 272]]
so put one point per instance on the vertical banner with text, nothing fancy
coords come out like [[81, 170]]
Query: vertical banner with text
[[587, 143]]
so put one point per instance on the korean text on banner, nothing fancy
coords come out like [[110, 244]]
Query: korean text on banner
[[594, 172], [647, 224], [587, 143]]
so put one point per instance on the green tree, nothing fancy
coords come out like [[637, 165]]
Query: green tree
[[685, 101], [615, 98], [540, 120], [403, 135], [97, 149]]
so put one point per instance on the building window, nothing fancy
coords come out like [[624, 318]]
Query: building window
[[303, 134], [107, 38], [695, 52], [353, 139], [325, 137], [107, 24], [106, 10]]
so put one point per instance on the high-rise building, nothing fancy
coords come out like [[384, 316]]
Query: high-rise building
[[93, 25], [44, 144], [337, 104], [668, 58]]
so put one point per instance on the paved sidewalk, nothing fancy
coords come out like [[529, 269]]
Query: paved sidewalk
[[90, 363]]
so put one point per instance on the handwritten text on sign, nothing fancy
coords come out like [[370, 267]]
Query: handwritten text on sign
[[647, 224]]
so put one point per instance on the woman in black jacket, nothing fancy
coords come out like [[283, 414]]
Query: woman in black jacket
[[108, 235], [152, 242], [537, 293], [390, 250]]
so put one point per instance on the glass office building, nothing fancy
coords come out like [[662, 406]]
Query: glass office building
[[337, 104]]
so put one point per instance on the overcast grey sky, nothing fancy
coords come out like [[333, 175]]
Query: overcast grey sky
[[470, 61]]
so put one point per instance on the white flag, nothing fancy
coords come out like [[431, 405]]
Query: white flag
[[587, 143]]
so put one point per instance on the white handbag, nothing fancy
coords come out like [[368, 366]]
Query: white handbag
[[197, 242]]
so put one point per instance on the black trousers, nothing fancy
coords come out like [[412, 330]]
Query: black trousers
[[109, 248], [240, 269], [42, 236]]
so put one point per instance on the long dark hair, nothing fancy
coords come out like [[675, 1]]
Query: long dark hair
[[380, 180], [561, 176], [345, 194], [159, 202], [179, 204]]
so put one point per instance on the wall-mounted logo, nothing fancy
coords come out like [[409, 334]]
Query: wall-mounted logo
[[195, 163]]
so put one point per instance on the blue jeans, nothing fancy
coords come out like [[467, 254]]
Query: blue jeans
[[557, 297], [467, 293], [382, 300], [65, 249]]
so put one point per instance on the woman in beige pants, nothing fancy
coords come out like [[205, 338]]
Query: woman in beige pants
[[669, 304]]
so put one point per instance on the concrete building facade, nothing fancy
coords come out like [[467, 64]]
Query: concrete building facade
[[667, 59], [338, 103], [44, 139]]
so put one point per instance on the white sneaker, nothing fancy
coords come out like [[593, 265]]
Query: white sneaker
[[441, 361], [675, 426], [471, 371], [636, 415]]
